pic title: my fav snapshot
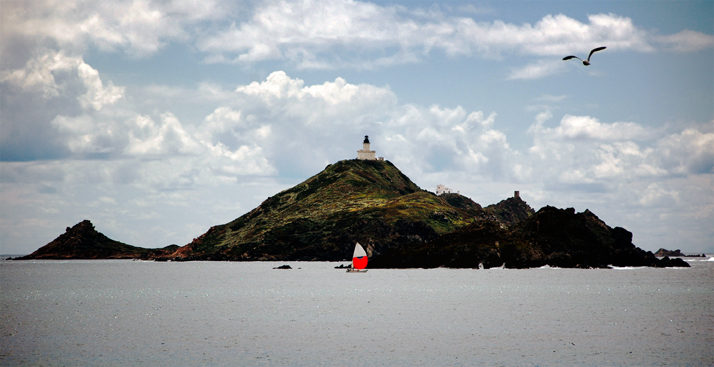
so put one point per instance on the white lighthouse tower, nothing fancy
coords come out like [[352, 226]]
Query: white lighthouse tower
[[365, 153]]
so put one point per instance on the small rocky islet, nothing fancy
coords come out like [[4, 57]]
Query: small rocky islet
[[399, 224]]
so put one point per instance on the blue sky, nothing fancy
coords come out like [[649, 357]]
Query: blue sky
[[158, 119]]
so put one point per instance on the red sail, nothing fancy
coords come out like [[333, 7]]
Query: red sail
[[359, 262]]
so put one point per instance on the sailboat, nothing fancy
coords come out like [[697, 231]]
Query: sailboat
[[359, 260]]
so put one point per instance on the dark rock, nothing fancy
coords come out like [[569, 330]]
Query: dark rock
[[83, 241], [554, 237], [283, 267], [511, 211], [662, 253]]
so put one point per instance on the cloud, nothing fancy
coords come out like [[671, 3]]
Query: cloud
[[169, 137], [686, 41], [688, 152], [50, 86], [539, 69], [551, 98], [583, 150], [585, 127], [311, 34], [655, 194], [40, 73], [139, 27], [97, 95], [321, 34]]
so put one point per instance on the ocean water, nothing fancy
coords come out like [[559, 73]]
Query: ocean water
[[133, 313]]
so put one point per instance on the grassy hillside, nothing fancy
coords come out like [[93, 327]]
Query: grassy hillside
[[320, 219]]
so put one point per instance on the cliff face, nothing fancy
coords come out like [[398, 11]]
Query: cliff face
[[84, 242], [370, 202]]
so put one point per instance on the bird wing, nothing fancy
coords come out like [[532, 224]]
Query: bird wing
[[571, 57], [596, 50]]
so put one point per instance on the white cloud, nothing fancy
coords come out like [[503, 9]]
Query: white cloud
[[583, 150], [585, 127], [689, 152], [303, 31], [686, 41], [279, 86], [537, 70], [85, 135], [551, 98], [97, 95], [655, 194], [140, 27], [40, 72], [169, 137]]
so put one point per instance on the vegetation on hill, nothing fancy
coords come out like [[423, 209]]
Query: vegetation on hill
[[370, 202]]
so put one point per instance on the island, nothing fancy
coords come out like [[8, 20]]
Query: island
[[400, 225]]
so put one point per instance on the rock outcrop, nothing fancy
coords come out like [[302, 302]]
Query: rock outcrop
[[676, 253], [552, 236], [511, 211], [84, 242], [662, 253]]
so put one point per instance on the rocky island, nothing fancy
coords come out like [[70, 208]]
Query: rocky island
[[83, 241], [676, 253], [400, 225]]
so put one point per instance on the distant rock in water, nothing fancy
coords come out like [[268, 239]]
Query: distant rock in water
[[283, 267], [84, 242], [676, 253], [662, 253]]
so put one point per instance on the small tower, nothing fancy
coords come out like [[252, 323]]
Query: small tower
[[365, 153], [516, 194]]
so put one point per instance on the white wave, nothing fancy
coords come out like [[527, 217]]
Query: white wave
[[549, 267]]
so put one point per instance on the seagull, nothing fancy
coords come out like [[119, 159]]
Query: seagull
[[585, 62]]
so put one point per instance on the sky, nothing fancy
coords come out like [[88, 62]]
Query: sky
[[159, 119]]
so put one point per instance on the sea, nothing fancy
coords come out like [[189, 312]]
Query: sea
[[138, 313]]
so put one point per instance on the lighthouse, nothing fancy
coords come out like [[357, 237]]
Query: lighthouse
[[366, 153]]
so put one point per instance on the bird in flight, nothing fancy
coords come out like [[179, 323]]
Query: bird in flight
[[585, 62]]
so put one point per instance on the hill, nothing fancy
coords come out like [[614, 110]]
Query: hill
[[370, 202], [84, 242]]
